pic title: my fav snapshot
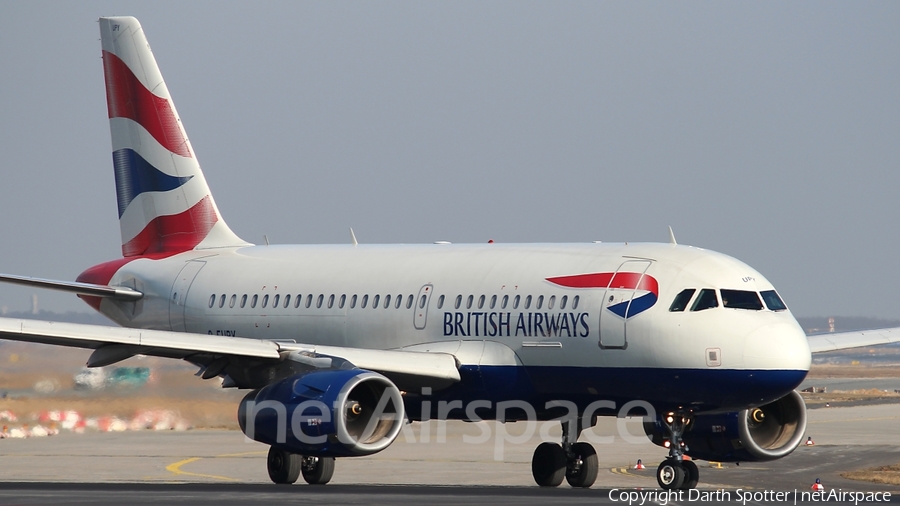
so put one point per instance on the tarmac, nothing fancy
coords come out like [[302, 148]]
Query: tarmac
[[446, 467]]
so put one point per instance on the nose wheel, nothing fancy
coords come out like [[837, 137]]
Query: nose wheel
[[675, 473], [576, 462]]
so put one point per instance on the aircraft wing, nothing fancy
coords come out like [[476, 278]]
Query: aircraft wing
[[822, 343], [216, 353]]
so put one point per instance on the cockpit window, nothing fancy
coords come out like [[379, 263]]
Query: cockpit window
[[773, 301], [681, 300], [706, 300], [741, 299]]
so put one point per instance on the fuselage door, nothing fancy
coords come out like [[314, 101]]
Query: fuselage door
[[616, 303], [180, 289], [421, 306]]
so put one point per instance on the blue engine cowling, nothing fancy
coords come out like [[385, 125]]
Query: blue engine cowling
[[330, 413], [758, 434]]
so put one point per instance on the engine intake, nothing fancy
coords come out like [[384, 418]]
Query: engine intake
[[333, 413], [768, 432]]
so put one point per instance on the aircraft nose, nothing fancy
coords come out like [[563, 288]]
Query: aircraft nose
[[777, 346]]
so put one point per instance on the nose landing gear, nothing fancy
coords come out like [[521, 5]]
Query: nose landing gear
[[675, 473], [574, 461]]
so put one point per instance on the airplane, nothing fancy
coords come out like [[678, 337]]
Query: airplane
[[356, 340]]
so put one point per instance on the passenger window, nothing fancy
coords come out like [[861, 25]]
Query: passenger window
[[308, 301], [330, 301], [440, 302], [353, 301], [540, 302], [681, 300], [222, 301], [481, 302], [504, 301], [319, 300], [706, 300], [375, 300], [265, 300], [365, 300], [387, 301], [287, 300], [516, 302], [575, 301], [773, 301], [297, 300], [243, 300], [212, 300], [232, 301], [422, 301], [562, 301], [343, 300], [458, 300], [399, 301], [469, 301], [275, 300], [253, 300], [493, 301], [551, 302], [528, 302], [409, 301], [741, 299]]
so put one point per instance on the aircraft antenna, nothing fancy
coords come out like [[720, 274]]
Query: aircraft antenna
[[353, 237], [672, 236]]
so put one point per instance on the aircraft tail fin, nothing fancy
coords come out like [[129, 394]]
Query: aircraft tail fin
[[165, 205]]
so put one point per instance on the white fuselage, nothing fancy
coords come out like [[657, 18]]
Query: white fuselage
[[462, 299]]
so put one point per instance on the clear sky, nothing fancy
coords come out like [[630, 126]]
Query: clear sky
[[767, 131]]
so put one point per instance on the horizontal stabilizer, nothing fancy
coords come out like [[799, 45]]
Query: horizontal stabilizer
[[116, 292]]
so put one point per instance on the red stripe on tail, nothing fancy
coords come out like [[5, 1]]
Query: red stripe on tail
[[174, 233], [126, 97]]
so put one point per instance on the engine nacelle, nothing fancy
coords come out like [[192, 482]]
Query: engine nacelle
[[331, 413], [758, 434]]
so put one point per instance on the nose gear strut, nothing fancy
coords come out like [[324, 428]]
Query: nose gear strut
[[675, 473]]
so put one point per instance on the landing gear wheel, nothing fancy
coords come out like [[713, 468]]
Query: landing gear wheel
[[691, 475], [670, 475], [284, 467], [317, 470], [548, 465], [582, 471]]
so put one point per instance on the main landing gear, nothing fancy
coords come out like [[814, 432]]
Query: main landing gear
[[675, 473], [577, 462], [284, 467]]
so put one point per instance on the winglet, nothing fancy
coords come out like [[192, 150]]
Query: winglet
[[672, 237]]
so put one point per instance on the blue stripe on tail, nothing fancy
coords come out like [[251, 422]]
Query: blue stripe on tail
[[134, 176]]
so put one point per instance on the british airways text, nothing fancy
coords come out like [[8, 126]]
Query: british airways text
[[496, 324]]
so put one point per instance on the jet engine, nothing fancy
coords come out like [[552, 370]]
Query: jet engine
[[330, 413], [768, 432]]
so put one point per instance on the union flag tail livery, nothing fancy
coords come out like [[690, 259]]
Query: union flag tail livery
[[165, 206]]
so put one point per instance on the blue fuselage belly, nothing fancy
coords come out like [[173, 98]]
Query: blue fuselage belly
[[700, 390]]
